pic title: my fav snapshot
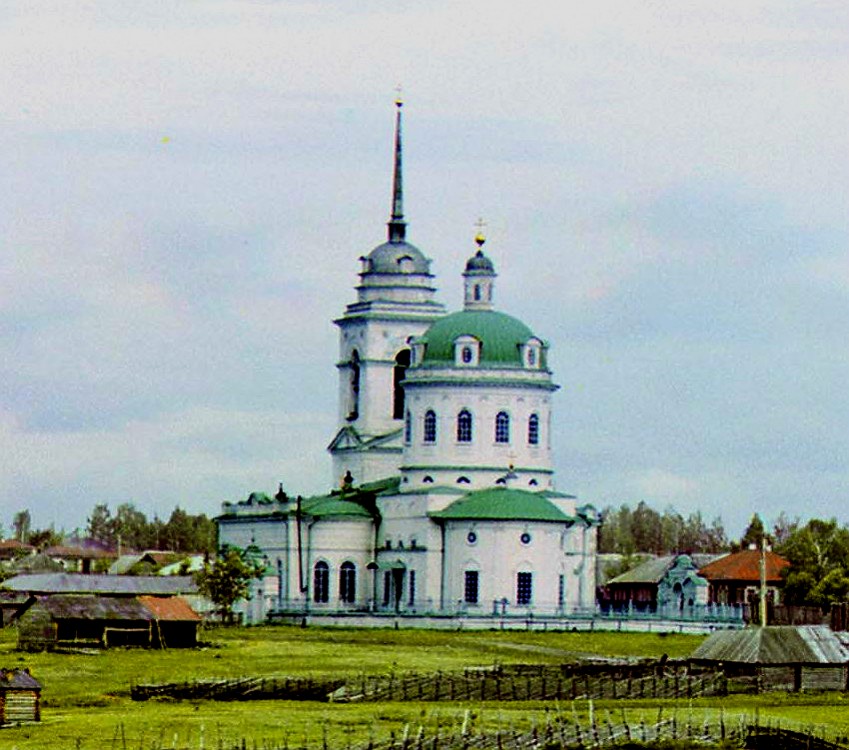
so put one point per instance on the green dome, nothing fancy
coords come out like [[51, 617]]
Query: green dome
[[500, 336]]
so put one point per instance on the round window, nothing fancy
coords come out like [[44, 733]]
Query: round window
[[471, 537], [525, 538]]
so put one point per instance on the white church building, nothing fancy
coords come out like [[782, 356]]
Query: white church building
[[447, 501]]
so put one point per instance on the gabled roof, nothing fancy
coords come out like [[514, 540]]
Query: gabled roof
[[745, 566], [19, 679], [99, 607], [801, 644], [652, 571], [77, 583], [503, 504]]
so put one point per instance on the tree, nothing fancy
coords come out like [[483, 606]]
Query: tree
[[22, 523], [754, 533], [101, 525], [819, 564], [228, 579]]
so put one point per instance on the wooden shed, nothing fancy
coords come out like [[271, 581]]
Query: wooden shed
[[801, 657], [20, 697], [76, 620]]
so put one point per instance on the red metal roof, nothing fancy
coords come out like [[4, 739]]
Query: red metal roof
[[169, 608], [745, 566]]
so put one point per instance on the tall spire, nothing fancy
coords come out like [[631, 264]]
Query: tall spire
[[397, 225]]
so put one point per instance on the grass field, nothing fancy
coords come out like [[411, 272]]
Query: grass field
[[86, 701]]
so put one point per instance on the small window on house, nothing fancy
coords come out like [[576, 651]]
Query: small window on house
[[430, 426], [463, 480], [321, 582], [502, 427], [524, 588], [464, 426], [533, 429], [427, 479]]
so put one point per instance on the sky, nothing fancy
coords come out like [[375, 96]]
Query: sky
[[185, 189]]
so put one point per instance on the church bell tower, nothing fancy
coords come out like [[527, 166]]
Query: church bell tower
[[395, 302]]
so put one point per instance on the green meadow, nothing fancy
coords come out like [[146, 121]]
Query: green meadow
[[86, 698]]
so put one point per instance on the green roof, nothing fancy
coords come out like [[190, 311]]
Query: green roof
[[503, 504], [500, 336], [332, 505]]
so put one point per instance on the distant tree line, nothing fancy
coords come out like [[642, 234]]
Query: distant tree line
[[128, 528], [643, 530]]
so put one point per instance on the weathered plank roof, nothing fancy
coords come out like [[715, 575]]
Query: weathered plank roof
[[91, 607], [784, 644], [78, 583], [98, 607], [18, 679]]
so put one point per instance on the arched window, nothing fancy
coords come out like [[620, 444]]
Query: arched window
[[408, 427], [464, 426], [466, 355], [477, 292], [502, 427], [430, 426], [402, 362], [354, 395], [348, 582], [321, 582], [533, 429]]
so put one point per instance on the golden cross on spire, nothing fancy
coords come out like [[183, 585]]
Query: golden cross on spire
[[399, 99], [480, 238]]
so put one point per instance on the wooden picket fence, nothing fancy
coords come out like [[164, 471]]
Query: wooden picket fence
[[542, 684], [561, 730], [516, 683], [242, 688]]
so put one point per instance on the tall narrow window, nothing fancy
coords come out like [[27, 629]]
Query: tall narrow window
[[348, 582], [477, 292], [470, 587], [430, 426], [408, 427], [321, 582], [402, 362], [502, 427], [524, 588], [533, 429], [464, 426], [354, 395], [561, 591], [412, 599], [387, 586]]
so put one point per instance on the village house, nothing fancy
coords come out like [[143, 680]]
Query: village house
[[105, 610]]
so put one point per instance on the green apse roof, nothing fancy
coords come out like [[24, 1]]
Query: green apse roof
[[503, 504], [500, 336]]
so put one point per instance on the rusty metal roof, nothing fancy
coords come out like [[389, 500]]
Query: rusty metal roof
[[800, 644], [172, 608], [745, 566]]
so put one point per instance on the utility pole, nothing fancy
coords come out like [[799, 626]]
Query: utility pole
[[762, 602]]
